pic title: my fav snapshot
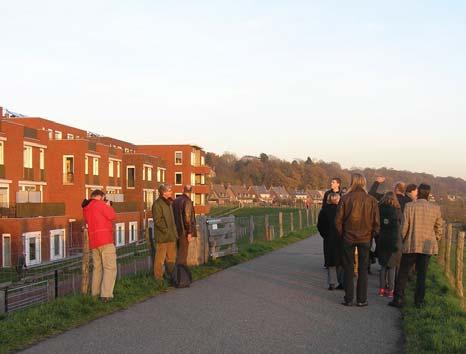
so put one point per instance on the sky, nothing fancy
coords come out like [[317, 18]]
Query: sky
[[362, 83]]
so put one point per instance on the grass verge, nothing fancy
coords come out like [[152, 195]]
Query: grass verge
[[440, 326], [23, 328]]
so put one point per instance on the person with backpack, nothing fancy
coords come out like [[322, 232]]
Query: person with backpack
[[165, 233], [332, 242], [389, 242], [99, 216]]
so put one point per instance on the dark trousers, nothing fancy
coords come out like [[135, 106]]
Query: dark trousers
[[348, 265], [182, 254], [408, 260]]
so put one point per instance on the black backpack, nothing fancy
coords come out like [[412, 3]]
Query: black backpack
[[181, 276]]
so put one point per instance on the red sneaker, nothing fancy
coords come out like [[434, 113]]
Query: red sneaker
[[381, 292]]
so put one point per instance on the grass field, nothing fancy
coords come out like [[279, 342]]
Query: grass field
[[20, 329], [440, 326], [253, 211]]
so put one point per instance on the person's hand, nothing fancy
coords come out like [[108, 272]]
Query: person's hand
[[380, 179], [189, 237]]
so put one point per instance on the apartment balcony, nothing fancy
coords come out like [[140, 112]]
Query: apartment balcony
[[42, 175], [30, 210], [113, 181], [28, 174], [92, 180], [2, 171], [201, 170], [201, 189], [149, 184]]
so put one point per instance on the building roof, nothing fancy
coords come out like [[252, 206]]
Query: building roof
[[239, 189], [219, 189], [280, 191], [260, 190]]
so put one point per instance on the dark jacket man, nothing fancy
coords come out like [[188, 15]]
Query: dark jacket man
[[185, 220]]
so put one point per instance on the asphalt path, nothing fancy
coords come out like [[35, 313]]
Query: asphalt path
[[277, 303]]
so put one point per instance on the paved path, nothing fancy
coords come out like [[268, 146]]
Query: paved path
[[277, 303]]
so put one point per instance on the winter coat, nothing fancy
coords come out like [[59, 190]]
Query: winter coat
[[326, 194], [389, 242], [328, 231], [99, 218], [164, 221], [185, 218], [357, 217]]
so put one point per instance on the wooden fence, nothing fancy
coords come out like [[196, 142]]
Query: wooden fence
[[451, 257]]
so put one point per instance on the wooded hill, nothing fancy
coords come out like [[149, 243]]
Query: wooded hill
[[316, 174]]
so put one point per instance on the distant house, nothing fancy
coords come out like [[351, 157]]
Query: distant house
[[279, 193], [240, 194], [316, 196], [298, 194], [260, 194], [219, 195]]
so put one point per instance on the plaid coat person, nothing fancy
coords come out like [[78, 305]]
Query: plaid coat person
[[422, 227]]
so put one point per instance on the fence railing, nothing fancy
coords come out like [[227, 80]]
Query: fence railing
[[48, 282], [451, 257]]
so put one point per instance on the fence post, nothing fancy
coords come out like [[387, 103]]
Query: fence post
[[307, 217], [280, 223], [251, 229], [3, 300], [300, 213], [266, 228], [292, 221], [448, 252], [459, 263], [56, 283], [441, 248], [85, 264], [205, 238]]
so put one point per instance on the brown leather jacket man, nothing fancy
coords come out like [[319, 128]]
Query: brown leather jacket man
[[185, 220]]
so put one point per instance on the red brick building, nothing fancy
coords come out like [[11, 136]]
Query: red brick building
[[47, 169]]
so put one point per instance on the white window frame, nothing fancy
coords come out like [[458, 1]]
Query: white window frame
[[110, 168], [133, 237], [4, 236], [127, 174], [27, 157], [95, 166], [42, 159], [58, 135], [181, 158], [143, 173], [3, 185], [64, 168], [179, 173], [51, 134], [86, 165], [27, 236], [2, 153], [117, 241], [61, 242], [118, 169], [202, 160], [193, 179], [70, 136], [149, 174]]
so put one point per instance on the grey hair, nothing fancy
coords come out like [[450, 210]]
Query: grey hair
[[164, 188]]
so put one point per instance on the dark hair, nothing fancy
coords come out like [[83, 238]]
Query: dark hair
[[410, 187], [423, 191], [96, 193], [390, 199], [338, 180]]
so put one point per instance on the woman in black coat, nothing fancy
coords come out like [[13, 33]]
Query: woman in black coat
[[389, 242], [332, 241]]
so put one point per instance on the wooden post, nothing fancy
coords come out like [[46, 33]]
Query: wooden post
[[251, 229], [441, 249], [280, 223], [85, 264], [292, 221], [266, 228], [307, 217], [459, 263], [300, 213], [448, 251]]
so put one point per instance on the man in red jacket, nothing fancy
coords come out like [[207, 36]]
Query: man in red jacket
[[99, 216]]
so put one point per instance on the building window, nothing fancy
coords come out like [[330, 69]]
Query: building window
[[28, 157], [118, 169], [58, 135], [161, 175], [148, 198], [149, 173], [197, 199], [130, 176], [42, 159], [143, 173], [50, 134], [4, 196], [2, 161], [6, 250], [120, 234], [70, 136], [110, 168], [202, 160], [178, 178], [178, 157], [32, 248], [86, 165], [68, 169], [95, 166], [133, 231], [57, 244]]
